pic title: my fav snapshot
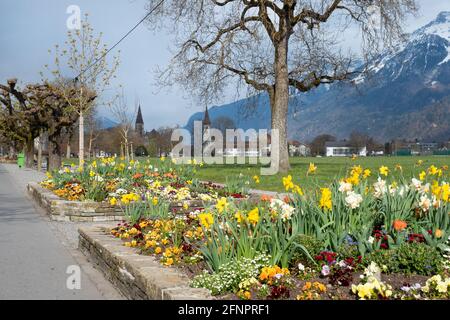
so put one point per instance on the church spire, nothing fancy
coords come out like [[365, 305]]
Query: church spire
[[206, 120], [139, 119], [139, 122]]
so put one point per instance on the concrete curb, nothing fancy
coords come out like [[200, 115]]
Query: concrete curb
[[137, 277]]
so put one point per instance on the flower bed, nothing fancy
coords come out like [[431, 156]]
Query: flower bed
[[348, 240], [110, 188]]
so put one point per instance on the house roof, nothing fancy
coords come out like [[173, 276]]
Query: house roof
[[337, 144]]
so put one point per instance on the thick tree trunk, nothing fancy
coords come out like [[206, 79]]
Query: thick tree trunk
[[29, 154], [81, 142], [54, 156], [280, 102]]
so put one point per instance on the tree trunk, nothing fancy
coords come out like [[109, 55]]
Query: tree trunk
[[39, 158], [12, 152], [280, 103], [131, 151], [81, 142], [68, 151], [54, 156], [29, 154]]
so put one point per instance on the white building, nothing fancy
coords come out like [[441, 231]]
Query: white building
[[343, 149]]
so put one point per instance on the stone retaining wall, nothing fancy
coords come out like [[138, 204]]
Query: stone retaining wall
[[75, 211], [89, 211], [138, 277]]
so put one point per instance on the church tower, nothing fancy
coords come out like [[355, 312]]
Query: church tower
[[206, 130], [139, 128]]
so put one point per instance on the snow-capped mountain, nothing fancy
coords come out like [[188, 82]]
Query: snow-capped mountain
[[405, 95]]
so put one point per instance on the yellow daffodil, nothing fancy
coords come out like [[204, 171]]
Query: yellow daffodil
[[206, 219], [325, 201], [384, 170], [312, 168], [253, 216], [366, 173], [422, 175], [432, 170], [256, 179], [222, 204], [287, 183], [113, 201]]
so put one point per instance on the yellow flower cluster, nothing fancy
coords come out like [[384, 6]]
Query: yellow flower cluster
[[312, 291], [71, 192], [222, 205], [441, 192], [326, 199], [270, 274], [290, 185], [130, 197], [372, 289], [437, 286], [206, 219]]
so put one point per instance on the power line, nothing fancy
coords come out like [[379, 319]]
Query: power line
[[118, 42]]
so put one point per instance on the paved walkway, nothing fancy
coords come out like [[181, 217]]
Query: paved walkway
[[35, 252]]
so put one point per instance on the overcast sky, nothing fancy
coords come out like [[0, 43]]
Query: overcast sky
[[28, 28]]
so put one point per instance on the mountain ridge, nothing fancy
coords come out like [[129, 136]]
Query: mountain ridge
[[407, 96]]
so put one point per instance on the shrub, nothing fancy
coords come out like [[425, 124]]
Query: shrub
[[419, 258], [386, 259], [231, 274], [409, 258], [311, 244]]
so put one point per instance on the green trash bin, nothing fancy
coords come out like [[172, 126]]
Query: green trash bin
[[21, 160]]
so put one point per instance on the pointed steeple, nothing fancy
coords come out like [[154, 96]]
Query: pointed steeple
[[206, 120], [140, 123], [139, 119]]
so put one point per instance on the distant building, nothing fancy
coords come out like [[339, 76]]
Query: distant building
[[343, 149], [139, 127], [298, 149]]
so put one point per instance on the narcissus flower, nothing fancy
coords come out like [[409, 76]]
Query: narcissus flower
[[222, 204], [287, 183], [253, 216], [384, 170], [113, 201], [206, 219], [312, 168], [422, 175], [366, 173], [325, 200]]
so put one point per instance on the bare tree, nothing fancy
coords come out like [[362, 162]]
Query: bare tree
[[318, 144], [125, 118], [272, 45], [84, 55]]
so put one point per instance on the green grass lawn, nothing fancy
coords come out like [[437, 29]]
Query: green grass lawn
[[327, 169]]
